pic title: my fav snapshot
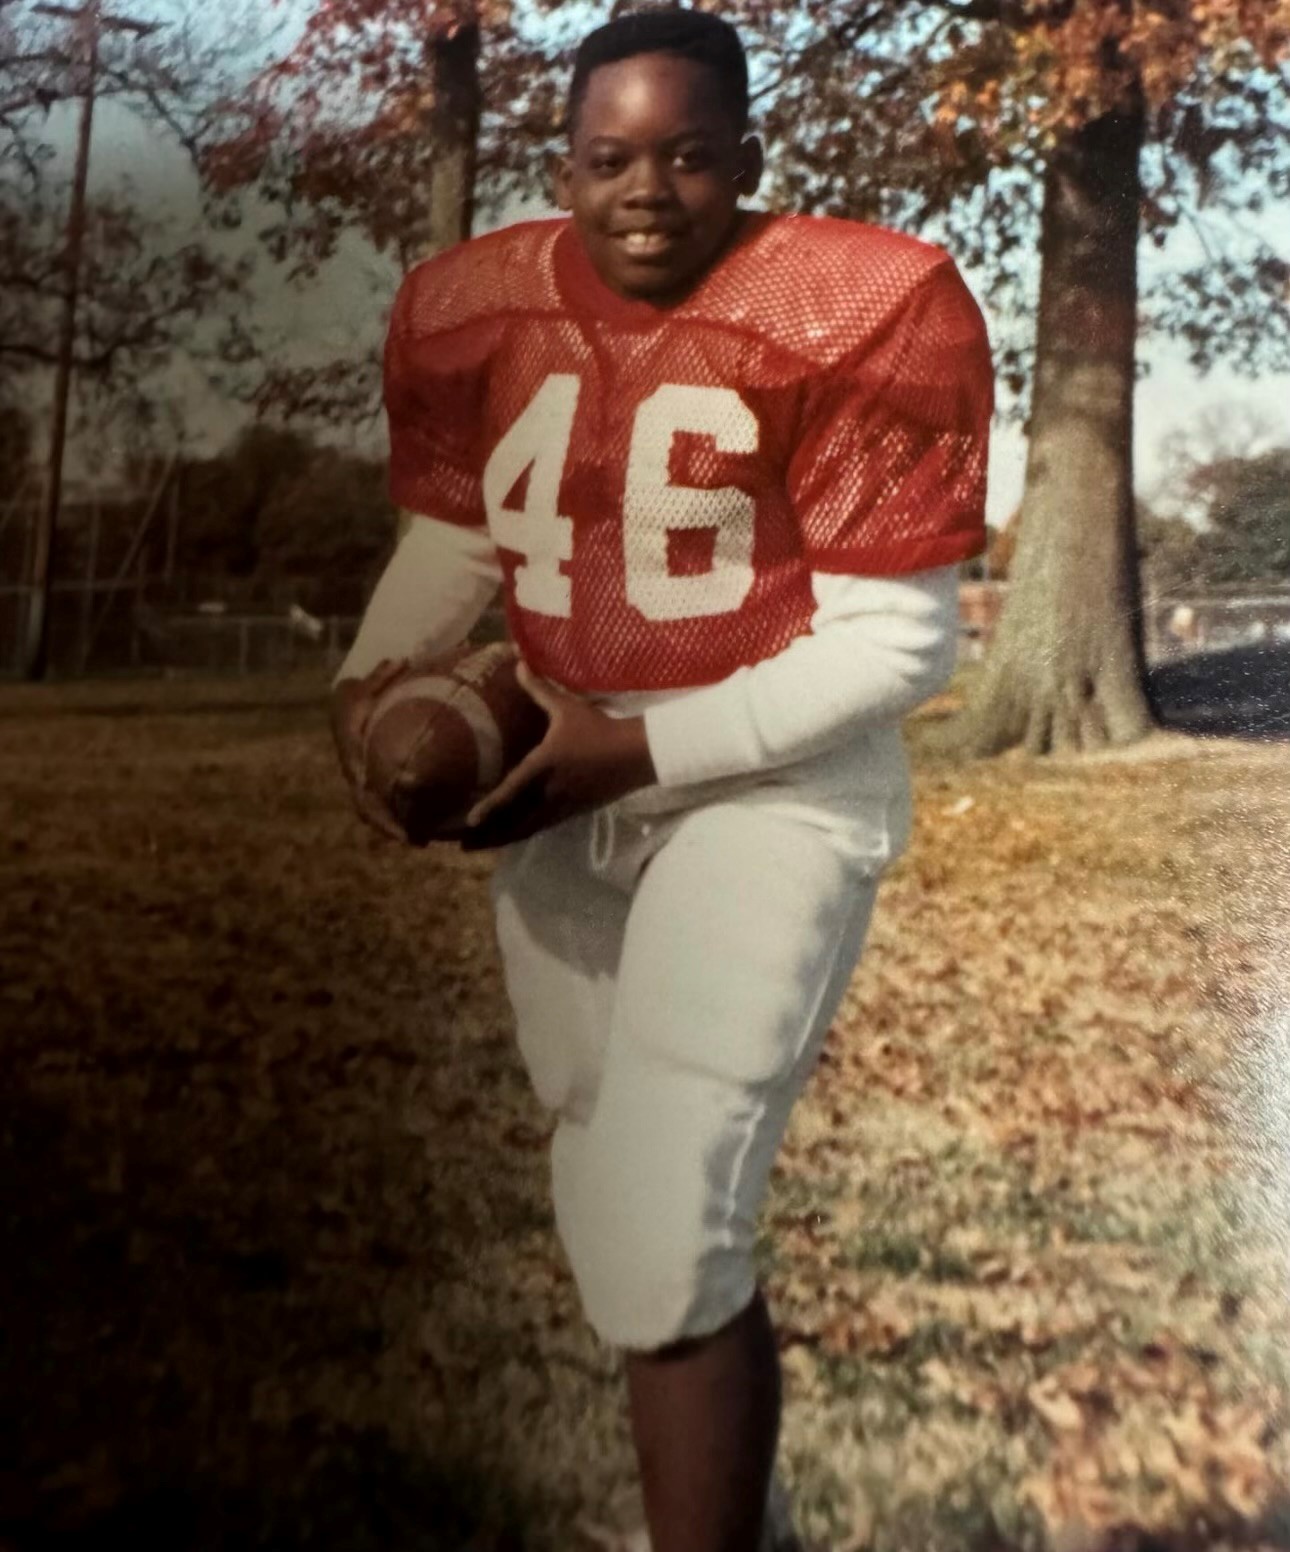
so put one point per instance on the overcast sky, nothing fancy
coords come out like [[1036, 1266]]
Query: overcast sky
[[347, 307]]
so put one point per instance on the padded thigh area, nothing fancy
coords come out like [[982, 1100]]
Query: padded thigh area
[[730, 944], [741, 939]]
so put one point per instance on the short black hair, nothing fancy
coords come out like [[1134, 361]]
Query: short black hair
[[697, 35]]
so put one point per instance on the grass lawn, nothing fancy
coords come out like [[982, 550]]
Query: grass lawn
[[278, 1267]]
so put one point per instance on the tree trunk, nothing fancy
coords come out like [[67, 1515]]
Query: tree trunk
[[450, 127], [455, 131], [1066, 671]]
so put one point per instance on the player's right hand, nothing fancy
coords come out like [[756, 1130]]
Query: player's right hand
[[351, 709]]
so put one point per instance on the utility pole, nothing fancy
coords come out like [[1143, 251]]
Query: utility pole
[[89, 24]]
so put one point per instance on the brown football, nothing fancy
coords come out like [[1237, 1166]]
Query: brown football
[[444, 733]]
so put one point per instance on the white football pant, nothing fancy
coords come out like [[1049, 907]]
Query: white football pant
[[673, 980]]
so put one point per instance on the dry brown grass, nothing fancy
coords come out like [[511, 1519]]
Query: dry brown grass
[[279, 1268]]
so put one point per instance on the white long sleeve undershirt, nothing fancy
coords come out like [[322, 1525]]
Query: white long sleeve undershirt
[[431, 595], [878, 647]]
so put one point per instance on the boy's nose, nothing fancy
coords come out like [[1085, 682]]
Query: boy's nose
[[650, 185]]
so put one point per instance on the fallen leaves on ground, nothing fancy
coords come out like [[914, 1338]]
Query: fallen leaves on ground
[[279, 1261]]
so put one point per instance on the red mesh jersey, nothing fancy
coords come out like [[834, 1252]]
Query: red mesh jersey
[[661, 482]]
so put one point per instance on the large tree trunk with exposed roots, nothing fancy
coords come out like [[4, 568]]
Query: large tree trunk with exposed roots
[[1066, 669]]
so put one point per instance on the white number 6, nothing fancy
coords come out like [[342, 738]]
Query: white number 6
[[653, 507]]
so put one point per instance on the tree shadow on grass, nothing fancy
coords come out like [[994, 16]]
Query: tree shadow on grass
[[1240, 692], [143, 1331], [265, 1148]]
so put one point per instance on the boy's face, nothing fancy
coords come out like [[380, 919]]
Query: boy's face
[[654, 174]]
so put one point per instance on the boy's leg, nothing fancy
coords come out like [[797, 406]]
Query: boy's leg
[[560, 931], [741, 940], [705, 1420]]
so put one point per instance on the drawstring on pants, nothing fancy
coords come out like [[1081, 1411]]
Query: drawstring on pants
[[604, 823]]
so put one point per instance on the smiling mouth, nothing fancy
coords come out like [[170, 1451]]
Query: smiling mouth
[[648, 245]]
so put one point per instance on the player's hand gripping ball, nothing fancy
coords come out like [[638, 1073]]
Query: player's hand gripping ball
[[441, 734]]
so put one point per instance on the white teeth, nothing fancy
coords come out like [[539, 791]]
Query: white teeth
[[646, 242]]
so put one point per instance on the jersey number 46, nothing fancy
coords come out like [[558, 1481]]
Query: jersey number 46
[[653, 507]]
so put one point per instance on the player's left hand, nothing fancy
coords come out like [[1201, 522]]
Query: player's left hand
[[585, 760], [352, 701]]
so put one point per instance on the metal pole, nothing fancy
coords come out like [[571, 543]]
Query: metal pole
[[23, 603], [119, 582], [42, 560], [90, 22], [172, 533], [140, 589], [91, 576]]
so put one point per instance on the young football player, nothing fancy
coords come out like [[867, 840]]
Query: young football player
[[724, 466]]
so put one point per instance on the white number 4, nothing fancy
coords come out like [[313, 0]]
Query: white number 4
[[537, 444], [653, 507]]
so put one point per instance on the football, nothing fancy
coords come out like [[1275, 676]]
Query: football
[[444, 733]]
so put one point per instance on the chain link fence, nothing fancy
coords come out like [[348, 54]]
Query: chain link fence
[[226, 626], [121, 628]]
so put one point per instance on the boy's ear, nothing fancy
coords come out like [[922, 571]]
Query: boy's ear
[[752, 163], [561, 179]]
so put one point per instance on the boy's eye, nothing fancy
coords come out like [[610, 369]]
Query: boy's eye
[[694, 159], [606, 159]]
